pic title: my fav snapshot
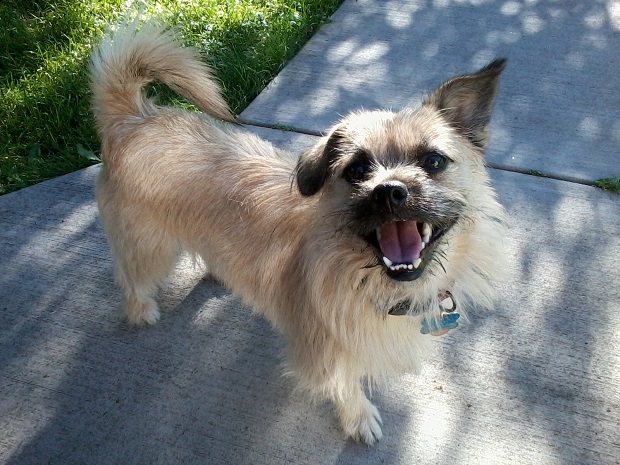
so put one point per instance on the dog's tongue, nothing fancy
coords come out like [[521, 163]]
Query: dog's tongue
[[400, 241]]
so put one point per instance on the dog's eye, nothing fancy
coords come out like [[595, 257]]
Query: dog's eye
[[434, 162], [357, 171]]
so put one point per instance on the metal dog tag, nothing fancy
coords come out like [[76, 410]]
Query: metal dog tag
[[448, 317]]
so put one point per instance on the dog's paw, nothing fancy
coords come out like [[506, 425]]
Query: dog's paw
[[364, 426], [143, 313]]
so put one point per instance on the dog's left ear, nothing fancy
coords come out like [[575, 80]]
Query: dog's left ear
[[467, 101], [314, 164]]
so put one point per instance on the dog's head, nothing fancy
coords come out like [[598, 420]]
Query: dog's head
[[407, 183]]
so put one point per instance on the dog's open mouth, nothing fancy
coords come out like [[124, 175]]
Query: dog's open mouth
[[406, 247]]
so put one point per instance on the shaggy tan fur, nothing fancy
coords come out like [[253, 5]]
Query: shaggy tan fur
[[296, 237]]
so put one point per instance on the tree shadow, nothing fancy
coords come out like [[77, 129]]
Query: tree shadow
[[558, 98]]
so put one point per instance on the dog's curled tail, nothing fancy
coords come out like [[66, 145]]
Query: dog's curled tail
[[136, 54]]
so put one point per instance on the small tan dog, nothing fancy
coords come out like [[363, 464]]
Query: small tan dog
[[347, 250]]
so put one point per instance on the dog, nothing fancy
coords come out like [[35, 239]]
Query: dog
[[347, 249]]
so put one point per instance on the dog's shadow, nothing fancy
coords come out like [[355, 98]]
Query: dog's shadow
[[253, 410], [204, 385]]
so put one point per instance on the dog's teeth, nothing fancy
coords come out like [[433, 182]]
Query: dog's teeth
[[405, 266], [423, 246], [387, 262], [426, 232]]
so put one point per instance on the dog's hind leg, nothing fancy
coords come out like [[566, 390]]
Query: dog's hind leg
[[141, 265]]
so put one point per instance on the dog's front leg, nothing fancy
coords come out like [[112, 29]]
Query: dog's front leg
[[359, 418]]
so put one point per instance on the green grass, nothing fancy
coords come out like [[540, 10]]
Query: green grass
[[609, 184], [45, 124], [536, 173]]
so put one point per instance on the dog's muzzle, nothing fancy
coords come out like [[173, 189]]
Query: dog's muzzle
[[402, 243], [408, 235]]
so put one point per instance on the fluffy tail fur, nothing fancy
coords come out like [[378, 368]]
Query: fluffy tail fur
[[133, 56]]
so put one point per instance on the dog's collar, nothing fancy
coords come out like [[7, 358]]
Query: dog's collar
[[435, 326]]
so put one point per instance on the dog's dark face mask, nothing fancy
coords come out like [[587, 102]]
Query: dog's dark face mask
[[404, 214], [401, 176]]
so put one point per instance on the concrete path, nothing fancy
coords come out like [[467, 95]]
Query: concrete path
[[559, 107], [537, 381]]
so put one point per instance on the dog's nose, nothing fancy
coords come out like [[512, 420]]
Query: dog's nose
[[393, 192]]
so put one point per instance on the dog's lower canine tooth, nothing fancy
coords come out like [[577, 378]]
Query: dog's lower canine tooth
[[417, 263], [387, 262]]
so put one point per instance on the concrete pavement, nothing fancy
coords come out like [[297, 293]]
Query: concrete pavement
[[536, 381]]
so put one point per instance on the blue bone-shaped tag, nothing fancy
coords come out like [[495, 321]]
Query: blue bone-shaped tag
[[440, 327]]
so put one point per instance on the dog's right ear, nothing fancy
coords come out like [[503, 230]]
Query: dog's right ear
[[314, 164]]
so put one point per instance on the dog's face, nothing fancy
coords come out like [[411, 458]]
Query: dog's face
[[406, 185]]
